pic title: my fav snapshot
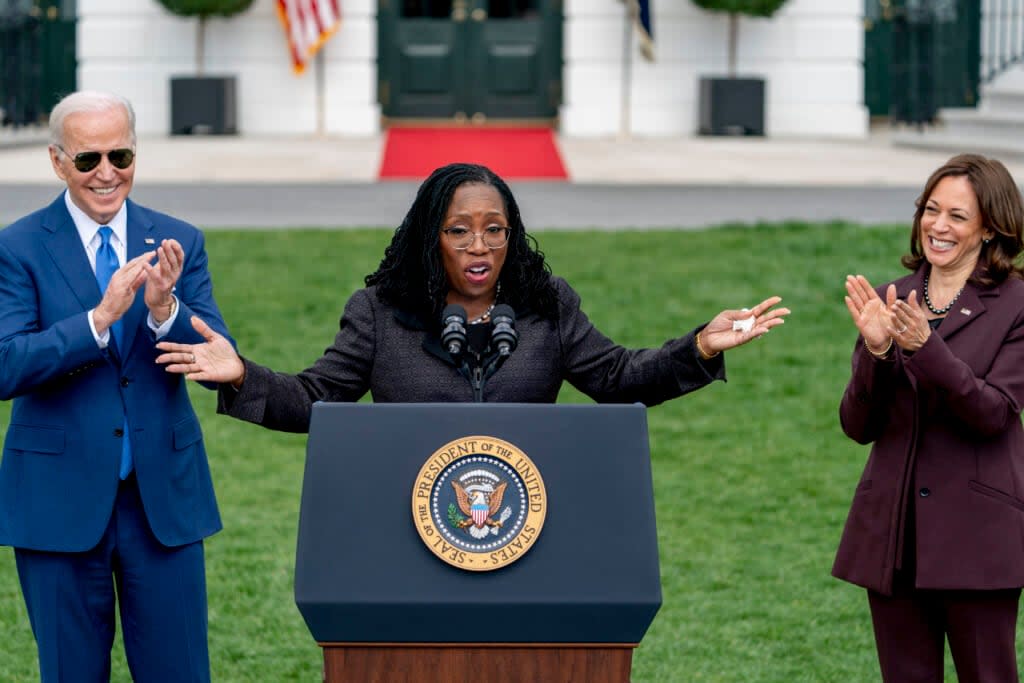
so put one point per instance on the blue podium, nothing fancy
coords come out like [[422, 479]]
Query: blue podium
[[386, 519]]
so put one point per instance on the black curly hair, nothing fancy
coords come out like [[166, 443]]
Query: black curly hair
[[411, 275]]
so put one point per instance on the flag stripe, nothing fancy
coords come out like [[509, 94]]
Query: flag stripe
[[307, 25]]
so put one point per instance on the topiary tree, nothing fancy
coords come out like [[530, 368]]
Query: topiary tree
[[204, 9], [753, 8]]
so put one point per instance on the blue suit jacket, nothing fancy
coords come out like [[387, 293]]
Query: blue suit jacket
[[59, 472]]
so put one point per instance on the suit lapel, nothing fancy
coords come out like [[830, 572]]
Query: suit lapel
[[967, 308], [139, 228], [65, 248]]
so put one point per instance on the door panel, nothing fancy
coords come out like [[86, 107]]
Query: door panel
[[37, 58], [425, 68], [919, 57], [470, 58], [506, 80], [420, 62], [513, 69], [59, 62], [877, 58]]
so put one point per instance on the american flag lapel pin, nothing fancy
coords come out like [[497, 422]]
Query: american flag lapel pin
[[965, 311], [150, 240]]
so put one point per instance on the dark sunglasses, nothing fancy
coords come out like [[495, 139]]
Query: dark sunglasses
[[86, 161]]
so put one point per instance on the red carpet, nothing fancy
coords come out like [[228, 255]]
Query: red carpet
[[413, 153]]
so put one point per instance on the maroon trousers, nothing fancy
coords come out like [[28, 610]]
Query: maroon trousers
[[911, 627]]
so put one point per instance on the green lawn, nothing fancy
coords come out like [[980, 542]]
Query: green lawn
[[753, 477]]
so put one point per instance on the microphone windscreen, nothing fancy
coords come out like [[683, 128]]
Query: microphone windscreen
[[453, 328], [503, 311], [453, 311], [504, 336]]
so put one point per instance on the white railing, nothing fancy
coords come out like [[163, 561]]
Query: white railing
[[1002, 36]]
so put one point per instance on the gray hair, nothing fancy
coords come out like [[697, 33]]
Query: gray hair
[[87, 101]]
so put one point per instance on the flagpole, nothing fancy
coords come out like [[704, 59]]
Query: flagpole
[[320, 84], [625, 123]]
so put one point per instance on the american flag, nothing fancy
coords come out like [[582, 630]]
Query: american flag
[[307, 24], [645, 27]]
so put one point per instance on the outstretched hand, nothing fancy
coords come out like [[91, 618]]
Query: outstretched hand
[[215, 360], [731, 328]]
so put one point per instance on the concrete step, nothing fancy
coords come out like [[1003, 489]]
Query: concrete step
[[1001, 102], [1000, 99], [995, 127], [22, 136], [939, 139], [1005, 93], [1011, 80], [974, 123]]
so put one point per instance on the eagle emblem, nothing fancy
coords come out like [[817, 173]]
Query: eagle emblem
[[479, 494], [479, 503]]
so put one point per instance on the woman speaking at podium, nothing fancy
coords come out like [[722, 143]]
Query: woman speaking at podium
[[463, 307]]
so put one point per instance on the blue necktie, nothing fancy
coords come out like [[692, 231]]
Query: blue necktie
[[106, 265]]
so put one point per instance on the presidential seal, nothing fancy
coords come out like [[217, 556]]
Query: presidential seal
[[479, 503]]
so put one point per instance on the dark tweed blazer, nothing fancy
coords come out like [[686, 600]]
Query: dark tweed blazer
[[389, 353], [945, 429]]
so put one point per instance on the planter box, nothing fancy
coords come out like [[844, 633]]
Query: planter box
[[731, 106], [203, 105]]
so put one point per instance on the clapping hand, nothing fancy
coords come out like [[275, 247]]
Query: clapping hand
[[215, 360], [120, 292], [161, 278], [872, 316], [911, 324]]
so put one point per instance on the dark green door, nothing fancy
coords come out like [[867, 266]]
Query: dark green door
[[470, 59], [920, 56], [37, 58], [877, 51], [58, 61]]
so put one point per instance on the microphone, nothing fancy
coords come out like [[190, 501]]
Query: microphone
[[504, 335], [453, 328]]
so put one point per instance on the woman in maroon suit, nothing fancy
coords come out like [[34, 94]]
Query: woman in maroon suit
[[936, 529]]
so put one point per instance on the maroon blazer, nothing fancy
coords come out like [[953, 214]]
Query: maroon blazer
[[946, 435]]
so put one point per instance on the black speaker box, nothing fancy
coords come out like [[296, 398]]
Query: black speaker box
[[203, 105], [731, 106]]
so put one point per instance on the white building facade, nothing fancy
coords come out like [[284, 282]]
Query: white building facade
[[810, 55]]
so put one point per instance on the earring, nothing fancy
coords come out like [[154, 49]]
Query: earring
[[986, 240]]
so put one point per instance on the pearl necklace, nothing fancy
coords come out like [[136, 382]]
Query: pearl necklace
[[486, 314], [945, 309]]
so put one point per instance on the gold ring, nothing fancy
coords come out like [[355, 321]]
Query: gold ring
[[900, 331]]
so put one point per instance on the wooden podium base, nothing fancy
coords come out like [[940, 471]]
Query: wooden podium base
[[505, 662]]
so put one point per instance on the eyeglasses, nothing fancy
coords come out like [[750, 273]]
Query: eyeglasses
[[87, 161], [493, 237]]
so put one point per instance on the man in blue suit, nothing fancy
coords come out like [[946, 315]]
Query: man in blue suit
[[104, 481]]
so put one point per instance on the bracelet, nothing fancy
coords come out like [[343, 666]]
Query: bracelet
[[884, 353], [700, 349], [171, 307]]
